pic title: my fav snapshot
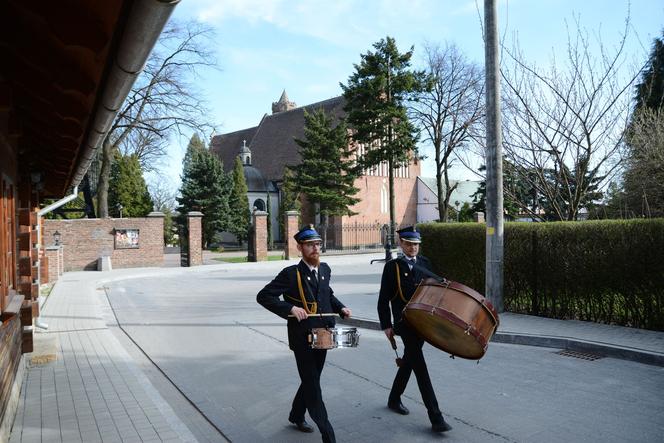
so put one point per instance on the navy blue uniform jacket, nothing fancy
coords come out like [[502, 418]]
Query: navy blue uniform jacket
[[389, 293], [285, 284]]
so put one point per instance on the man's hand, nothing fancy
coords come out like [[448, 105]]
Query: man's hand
[[389, 333], [346, 312], [299, 313]]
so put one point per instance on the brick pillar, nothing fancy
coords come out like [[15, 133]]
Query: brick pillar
[[290, 225], [259, 244], [55, 261], [479, 217], [194, 222]]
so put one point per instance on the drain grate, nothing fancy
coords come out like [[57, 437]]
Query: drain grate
[[582, 355]]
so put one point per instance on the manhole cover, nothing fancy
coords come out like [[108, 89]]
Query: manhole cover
[[581, 355]]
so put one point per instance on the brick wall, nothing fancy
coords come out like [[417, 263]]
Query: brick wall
[[290, 248], [55, 261], [195, 241], [369, 208], [85, 240], [260, 236]]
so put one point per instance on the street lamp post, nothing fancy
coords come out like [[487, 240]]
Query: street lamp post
[[457, 203]]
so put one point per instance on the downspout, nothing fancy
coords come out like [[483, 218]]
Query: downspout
[[63, 201], [57, 204], [147, 19]]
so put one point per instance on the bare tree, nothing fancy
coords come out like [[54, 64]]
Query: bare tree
[[163, 101], [449, 112], [151, 147], [563, 127]]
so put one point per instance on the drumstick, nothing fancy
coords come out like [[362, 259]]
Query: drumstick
[[398, 360], [331, 314]]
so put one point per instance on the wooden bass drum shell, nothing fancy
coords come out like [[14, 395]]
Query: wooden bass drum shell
[[452, 317]]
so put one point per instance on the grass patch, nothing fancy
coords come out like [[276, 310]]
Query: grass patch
[[244, 259], [46, 289]]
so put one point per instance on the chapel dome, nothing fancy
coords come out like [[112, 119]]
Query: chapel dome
[[255, 180]]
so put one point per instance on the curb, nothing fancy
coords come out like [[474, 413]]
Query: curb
[[567, 343]]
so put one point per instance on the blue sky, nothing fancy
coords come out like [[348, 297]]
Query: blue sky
[[309, 47]]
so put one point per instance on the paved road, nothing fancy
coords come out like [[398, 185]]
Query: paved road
[[229, 356]]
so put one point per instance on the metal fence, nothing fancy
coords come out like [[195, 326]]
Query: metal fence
[[358, 237]]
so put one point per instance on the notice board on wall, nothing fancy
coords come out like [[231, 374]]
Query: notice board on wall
[[126, 238]]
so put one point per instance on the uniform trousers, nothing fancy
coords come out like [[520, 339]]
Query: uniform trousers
[[413, 361], [309, 397]]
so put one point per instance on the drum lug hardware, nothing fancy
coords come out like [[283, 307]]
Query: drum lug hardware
[[452, 356], [467, 331]]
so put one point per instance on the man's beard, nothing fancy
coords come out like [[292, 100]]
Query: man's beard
[[312, 261]]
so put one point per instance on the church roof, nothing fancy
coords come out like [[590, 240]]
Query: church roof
[[232, 142], [272, 142]]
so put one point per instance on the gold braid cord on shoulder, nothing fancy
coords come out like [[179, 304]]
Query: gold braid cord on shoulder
[[399, 291], [305, 303]]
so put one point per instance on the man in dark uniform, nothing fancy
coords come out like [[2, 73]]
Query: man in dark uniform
[[398, 284], [306, 290]]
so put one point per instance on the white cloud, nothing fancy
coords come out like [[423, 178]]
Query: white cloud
[[344, 23]]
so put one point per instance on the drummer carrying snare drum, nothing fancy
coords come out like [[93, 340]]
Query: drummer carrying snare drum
[[305, 289], [398, 284]]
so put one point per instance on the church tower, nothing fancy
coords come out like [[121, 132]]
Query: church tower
[[283, 104], [245, 154]]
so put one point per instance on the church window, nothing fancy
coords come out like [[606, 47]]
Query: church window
[[384, 199], [259, 204]]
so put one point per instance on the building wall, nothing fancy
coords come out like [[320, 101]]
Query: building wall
[[374, 199], [11, 336], [8, 199], [427, 203], [85, 240]]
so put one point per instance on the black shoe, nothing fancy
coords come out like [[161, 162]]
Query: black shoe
[[303, 426], [441, 426], [398, 407]]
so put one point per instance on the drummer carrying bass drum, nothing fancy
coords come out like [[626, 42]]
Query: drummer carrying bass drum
[[398, 284], [306, 290]]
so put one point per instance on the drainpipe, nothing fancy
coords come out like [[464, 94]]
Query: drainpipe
[[57, 204], [63, 201]]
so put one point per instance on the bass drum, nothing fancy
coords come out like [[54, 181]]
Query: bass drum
[[452, 317]]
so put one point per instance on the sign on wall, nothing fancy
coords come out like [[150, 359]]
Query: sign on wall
[[126, 239]]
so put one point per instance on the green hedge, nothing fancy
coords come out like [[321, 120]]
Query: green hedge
[[608, 271]]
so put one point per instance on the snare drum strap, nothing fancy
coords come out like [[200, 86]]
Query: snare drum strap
[[303, 299]]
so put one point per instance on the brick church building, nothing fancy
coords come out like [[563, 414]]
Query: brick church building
[[271, 145]]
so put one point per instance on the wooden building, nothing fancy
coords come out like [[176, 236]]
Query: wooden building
[[65, 69]]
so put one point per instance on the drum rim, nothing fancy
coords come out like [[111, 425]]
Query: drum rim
[[479, 298]]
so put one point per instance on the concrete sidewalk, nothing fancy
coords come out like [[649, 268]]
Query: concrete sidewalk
[[81, 384]]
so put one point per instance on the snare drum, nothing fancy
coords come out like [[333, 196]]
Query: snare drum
[[330, 338]]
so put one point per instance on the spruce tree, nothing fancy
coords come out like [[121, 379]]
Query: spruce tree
[[376, 109], [239, 203], [650, 91], [326, 174], [127, 188], [205, 188]]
